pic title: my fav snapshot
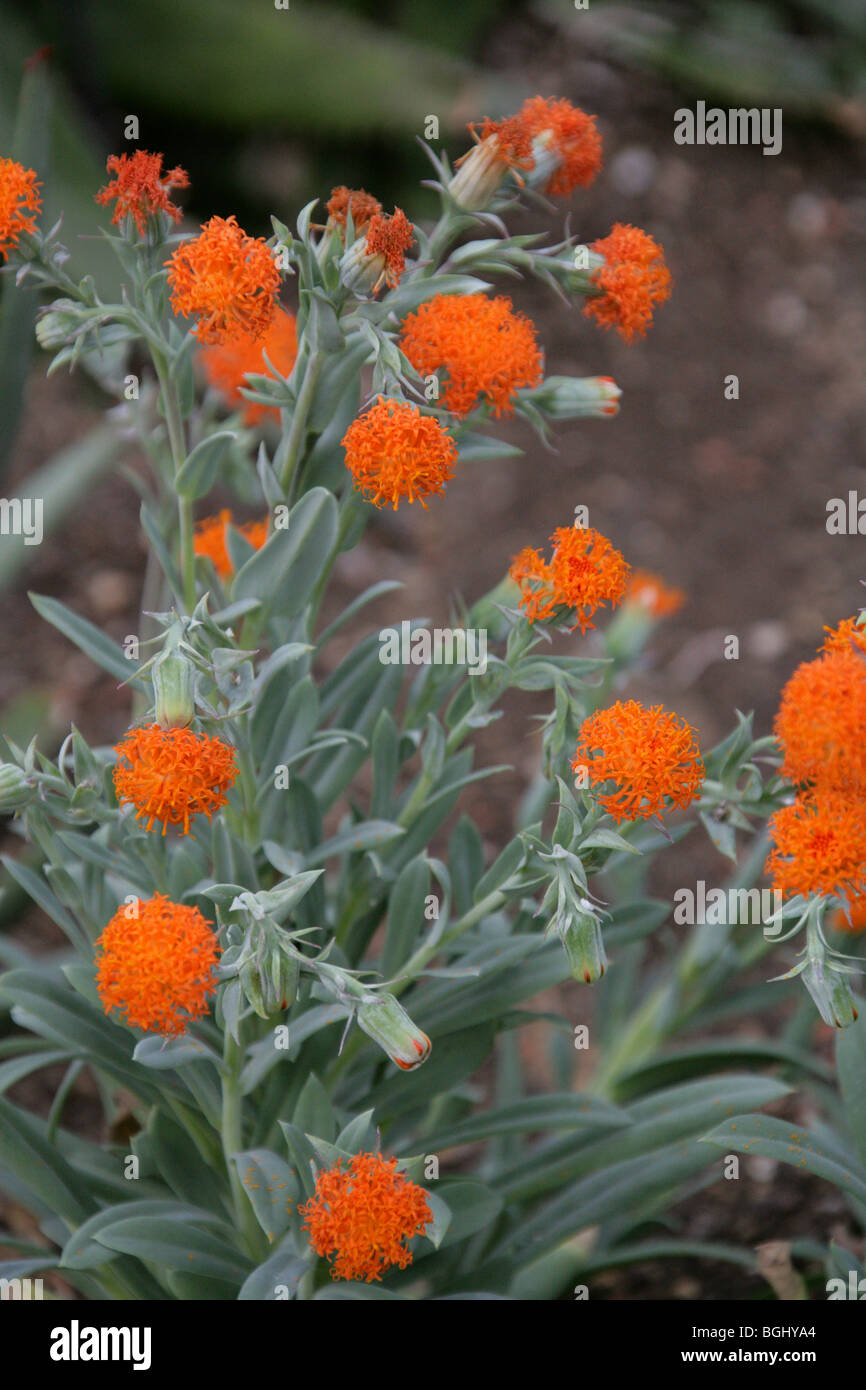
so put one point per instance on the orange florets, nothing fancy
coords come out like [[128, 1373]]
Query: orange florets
[[226, 364], [20, 204], [210, 541], [850, 634], [856, 913], [570, 135], [633, 279], [487, 349], [395, 452], [819, 846], [821, 723], [362, 204], [171, 775], [390, 238], [362, 1215], [140, 188], [650, 592], [585, 572], [651, 756], [157, 967], [225, 280]]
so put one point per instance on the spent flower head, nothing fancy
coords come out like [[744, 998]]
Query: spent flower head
[[140, 188]]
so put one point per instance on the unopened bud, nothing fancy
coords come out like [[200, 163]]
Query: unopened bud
[[571, 398], [384, 1020], [479, 176], [173, 678], [581, 937], [59, 324], [831, 993], [16, 789]]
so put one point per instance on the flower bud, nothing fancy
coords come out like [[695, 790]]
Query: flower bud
[[384, 1020], [16, 789], [831, 993], [581, 937], [59, 324], [570, 397], [173, 677], [479, 176]]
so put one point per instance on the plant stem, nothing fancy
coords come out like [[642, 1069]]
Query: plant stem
[[231, 1133], [298, 428], [177, 444]]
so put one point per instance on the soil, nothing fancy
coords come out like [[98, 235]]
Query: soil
[[726, 499]]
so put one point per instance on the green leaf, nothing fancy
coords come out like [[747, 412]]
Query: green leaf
[[286, 569], [271, 1186], [562, 1111], [198, 473], [452, 1060], [176, 1245], [368, 834], [405, 915], [789, 1143], [27, 1153], [83, 1251], [851, 1065], [472, 1206], [87, 638], [314, 1113], [281, 1271]]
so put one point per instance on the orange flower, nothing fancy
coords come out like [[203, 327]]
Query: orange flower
[[819, 846], [225, 280], [650, 754], [393, 451], [650, 592], [821, 723], [157, 967], [389, 238], [584, 573], [487, 349], [633, 279], [171, 775], [363, 206], [141, 188], [564, 140], [210, 539], [857, 914], [20, 204], [226, 364], [848, 635], [363, 1214]]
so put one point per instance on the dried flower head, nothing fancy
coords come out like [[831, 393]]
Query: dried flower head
[[140, 188], [158, 967], [487, 349], [362, 1214], [20, 204], [849, 636], [171, 775], [633, 279], [584, 573], [650, 754], [363, 206], [388, 239], [821, 723], [394, 452], [819, 846], [226, 364], [566, 145], [648, 591], [210, 539], [225, 280]]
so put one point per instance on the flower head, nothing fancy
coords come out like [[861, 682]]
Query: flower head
[[388, 239], [501, 147], [210, 540], [171, 775], [225, 280], [157, 967], [395, 452], [821, 723], [566, 145], [650, 754], [362, 1214], [20, 204], [819, 846], [487, 349], [226, 364], [584, 572], [649, 592], [848, 636], [633, 279], [140, 188], [362, 205]]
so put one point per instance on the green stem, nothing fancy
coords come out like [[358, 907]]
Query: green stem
[[298, 428], [231, 1133], [177, 444]]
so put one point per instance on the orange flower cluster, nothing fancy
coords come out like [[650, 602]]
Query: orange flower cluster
[[225, 280], [20, 204], [226, 364], [395, 452], [821, 723], [648, 591], [140, 188], [389, 238], [171, 775], [819, 846], [633, 279], [210, 542], [487, 348], [159, 967], [651, 756], [362, 204], [363, 1214], [544, 128], [849, 636], [584, 572]]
